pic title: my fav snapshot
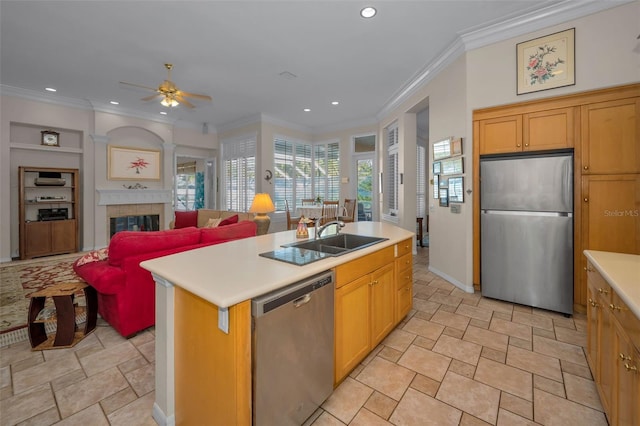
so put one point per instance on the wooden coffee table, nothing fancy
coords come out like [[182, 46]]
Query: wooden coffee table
[[64, 316]]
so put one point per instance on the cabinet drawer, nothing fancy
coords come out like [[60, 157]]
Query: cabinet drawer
[[403, 247], [404, 278], [404, 299], [629, 322], [598, 285], [404, 262], [357, 268]]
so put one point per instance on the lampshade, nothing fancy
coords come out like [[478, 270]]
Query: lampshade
[[168, 101], [262, 204]]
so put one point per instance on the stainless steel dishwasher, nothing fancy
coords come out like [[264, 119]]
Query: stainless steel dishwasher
[[292, 351]]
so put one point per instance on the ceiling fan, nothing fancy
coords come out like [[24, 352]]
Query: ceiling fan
[[169, 92]]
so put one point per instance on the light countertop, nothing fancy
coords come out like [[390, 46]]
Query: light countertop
[[229, 273], [622, 272]]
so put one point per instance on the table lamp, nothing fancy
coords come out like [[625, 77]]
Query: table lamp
[[262, 205]]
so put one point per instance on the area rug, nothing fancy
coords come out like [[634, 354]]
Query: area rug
[[18, 280]]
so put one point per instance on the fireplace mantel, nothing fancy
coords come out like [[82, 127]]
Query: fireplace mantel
[[108, 197]]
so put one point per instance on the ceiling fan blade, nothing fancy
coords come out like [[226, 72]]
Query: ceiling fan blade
[[138, 85], [195, 95], [148, 98], [183, 101]]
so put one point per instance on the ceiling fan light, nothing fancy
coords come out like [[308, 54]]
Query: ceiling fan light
[[169, 102]]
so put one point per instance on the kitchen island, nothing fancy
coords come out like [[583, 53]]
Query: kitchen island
[[613, 332], [203, 315]]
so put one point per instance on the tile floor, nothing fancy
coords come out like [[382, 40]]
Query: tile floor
[[457, 359]]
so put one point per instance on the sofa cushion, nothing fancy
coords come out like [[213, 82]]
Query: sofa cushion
[[129, 243], [213, 223], [243, 229], [229, 220], [186, 219]]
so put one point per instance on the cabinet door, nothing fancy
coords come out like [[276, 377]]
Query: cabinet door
[[63, 236], [351, 326], [611, 213], [498, 135], [37, 239], [593, 317], [383, 290], [553, 129], [606, 360], [610, 132], [626, 409]]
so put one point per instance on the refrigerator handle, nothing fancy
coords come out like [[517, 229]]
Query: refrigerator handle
[[567, 195]]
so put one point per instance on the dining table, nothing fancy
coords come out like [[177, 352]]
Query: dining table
[[310, 212]]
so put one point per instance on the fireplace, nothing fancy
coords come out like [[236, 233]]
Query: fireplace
[[138, 203], [147, 222], [134, 217]]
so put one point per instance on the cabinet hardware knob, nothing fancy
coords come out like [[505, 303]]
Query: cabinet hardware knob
[[603, 291], [624, 357], [526, 144], [374, 282], [630, 367], [586, 200], [614, 307], [588, 269], [517, 145], [586, 167], [593, 304]]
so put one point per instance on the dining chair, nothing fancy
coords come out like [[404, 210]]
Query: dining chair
[[292, 222], [308, 201], [348, 210], [330, 211]]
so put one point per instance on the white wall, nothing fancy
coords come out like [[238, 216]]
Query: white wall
[[94, 131]]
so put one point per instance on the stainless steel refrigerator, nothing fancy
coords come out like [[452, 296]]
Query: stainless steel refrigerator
[[526, 229]]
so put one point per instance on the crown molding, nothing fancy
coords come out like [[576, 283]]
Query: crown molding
[[38, 96], [554, 14]]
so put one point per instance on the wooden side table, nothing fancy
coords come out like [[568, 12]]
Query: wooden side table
[[65, 315]]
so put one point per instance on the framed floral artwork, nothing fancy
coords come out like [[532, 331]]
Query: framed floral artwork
[[546, 62], [133, 164]]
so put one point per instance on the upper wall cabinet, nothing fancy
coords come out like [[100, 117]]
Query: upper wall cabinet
[[537, 131], [610, 137]]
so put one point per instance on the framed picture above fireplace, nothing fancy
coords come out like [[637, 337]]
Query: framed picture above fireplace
[[133, 164]]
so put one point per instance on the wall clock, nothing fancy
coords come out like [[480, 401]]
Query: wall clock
[[50, 138]]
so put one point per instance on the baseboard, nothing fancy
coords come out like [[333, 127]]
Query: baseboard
[[161, 418], [463, 287], [5, 259]]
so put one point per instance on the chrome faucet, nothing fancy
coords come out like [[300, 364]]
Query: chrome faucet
[[319, 231]]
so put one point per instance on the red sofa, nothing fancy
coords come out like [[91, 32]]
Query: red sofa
[[126, 292]]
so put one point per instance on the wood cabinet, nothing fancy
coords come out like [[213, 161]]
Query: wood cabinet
[[364, 315], [603, 128], [48, 214], [610, 135], [366, 305], [404, 280], [613, 340], [536, 131]]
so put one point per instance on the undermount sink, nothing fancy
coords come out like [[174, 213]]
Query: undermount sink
[[337, 244]]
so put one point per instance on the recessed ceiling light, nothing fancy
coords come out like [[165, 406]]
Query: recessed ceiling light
[[307, 110], [163, 112], [114, 103], [335, 103], [50, 89], [368, 12]]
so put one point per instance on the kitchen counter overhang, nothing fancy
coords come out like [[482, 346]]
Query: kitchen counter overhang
[[230, 273], [622, 272]]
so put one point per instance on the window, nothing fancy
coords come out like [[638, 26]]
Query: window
[[239, 173], [391, 184], [186, 186], [421, 182], [303, 170]]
